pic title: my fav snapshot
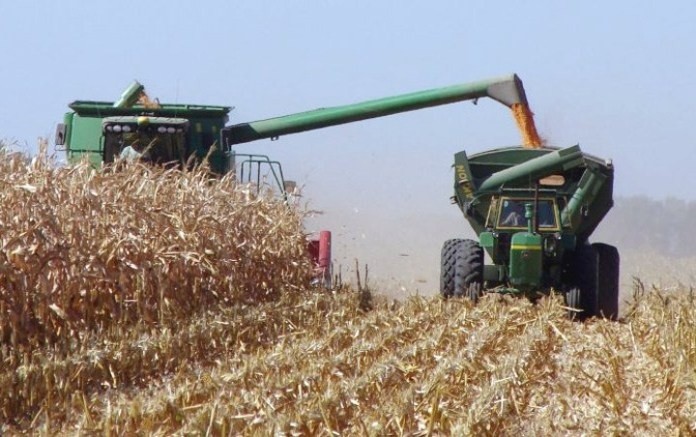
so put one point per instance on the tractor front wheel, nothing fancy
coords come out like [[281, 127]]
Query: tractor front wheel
[[461, 271]]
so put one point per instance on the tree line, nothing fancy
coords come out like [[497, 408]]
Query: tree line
[[640, 223]]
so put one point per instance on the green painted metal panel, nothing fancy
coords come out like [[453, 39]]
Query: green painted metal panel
[[588, 188], [85, 139], [487, 240], [106, 109], [130, 95], [526, 260]]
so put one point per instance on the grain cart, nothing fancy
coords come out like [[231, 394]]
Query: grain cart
[[534, 210]]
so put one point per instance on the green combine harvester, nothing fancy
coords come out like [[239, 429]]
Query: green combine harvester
[[533, 208], [174, 133]]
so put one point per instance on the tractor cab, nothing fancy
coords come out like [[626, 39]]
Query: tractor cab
[[525, 238], [508, 214]]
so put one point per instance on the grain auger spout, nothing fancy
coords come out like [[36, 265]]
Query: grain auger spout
[[507, 90]]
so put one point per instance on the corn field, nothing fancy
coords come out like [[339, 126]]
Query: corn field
[[155, 302]]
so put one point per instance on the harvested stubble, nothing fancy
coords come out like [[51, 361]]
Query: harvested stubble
[[314, 363]]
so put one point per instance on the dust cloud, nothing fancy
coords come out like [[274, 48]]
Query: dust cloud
[[402, 250]]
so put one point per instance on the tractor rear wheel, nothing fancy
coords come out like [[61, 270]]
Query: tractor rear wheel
[[581, 295], [607, 280], [461, 271]]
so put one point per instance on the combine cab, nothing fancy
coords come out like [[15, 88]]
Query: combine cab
[[534, 210]]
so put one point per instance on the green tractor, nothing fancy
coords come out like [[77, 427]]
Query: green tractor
[[534, 211]]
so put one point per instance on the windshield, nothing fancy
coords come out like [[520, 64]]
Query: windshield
[[512, 214], [148, 145]]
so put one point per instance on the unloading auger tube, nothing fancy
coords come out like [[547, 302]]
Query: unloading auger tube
[[507, 90]]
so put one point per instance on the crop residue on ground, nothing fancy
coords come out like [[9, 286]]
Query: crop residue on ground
[[154, 302]]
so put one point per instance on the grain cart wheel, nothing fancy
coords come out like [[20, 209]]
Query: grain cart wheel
[[582, 278], [607, 280], [461, 271], [448, 258]]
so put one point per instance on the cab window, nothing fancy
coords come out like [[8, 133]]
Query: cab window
[[512, 214]]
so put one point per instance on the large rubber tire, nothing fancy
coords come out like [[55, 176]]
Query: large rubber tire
[[581, 293], [607, 280], [461, 272]]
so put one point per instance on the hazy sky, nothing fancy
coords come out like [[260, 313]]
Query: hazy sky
[[616, 77]]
